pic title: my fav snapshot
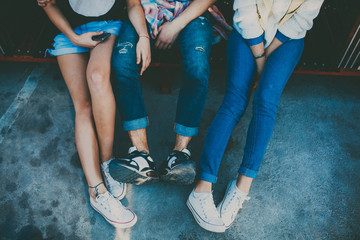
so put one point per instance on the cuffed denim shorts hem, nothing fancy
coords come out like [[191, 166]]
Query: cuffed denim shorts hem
[[62, 45], [207, 177], [186, 131], [248, 172], [63, 51], [135, 124]]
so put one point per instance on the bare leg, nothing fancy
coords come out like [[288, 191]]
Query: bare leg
[[181, 142], [102, 97], [73, 67], [203, 186], [243, 183], [139, 139]]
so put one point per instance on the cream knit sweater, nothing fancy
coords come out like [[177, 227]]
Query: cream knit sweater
[[291, 17]]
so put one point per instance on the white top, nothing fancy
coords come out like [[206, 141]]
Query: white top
[[247, 22], [91, 8]]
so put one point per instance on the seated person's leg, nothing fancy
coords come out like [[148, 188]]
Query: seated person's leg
[[132, 109], [195, 44], [278, 68], [241, 69]]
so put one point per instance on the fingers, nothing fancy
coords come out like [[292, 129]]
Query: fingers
[[167, 46], [161, 44], [138, 57], [96, 33], [43, 3], [157, 43], [143, 67], [148, 61], [145, 63]]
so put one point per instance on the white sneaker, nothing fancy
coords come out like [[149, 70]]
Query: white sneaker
[[204, 211], [117, 189], [231, 203], [113, 211]]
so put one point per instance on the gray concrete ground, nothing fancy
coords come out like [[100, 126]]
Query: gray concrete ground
[[308, 185]]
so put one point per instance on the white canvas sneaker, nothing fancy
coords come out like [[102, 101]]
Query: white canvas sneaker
[[231, 203], [117, 189], [204, 211], [113, 211]]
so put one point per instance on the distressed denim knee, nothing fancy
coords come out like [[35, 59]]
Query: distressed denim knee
[[128, 90], [195, 44]]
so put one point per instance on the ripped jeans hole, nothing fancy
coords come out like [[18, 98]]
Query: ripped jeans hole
[[203, 20], [124, 46], [201, 49]]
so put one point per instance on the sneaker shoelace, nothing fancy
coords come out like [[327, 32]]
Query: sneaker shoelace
[[208, 208], [238, 204], [110, 204]]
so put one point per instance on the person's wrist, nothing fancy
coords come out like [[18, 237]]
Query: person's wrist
[[144, 36], [178, 23], [74, 38]]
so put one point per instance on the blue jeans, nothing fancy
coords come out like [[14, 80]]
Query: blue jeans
[[195, 45], [241, 70]]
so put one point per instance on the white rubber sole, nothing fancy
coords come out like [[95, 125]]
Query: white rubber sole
[[121, 195], [118, 196], [116, 224], [205, 225]]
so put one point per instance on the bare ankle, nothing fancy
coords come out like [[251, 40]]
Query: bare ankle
[[181, 142], [243, 183], [203, 187], [106, 158], [139, 139], [142, 148], [97, 189]]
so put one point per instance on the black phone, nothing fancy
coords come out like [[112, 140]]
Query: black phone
[[101, 37]]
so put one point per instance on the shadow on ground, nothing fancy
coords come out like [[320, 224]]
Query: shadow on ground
[[307, 186]]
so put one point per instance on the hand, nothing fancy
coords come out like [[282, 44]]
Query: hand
[[260, 64], [168, 32], [272, 47], [43, 3], [143, 53], [84, 40]]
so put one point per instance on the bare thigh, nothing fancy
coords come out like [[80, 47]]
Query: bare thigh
[[100, 59], [73, 68]]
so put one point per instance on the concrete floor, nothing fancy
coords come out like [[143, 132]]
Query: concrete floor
[[308, 185]]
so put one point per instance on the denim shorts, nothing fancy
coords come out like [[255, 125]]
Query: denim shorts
[[62, 45]]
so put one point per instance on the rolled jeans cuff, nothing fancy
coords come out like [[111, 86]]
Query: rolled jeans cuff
[[186, 131], [281, 37], [248, 172], [207, 177], [135, 124], [255, 41]]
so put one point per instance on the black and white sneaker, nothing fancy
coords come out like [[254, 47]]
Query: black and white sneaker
[[180, 169], [137, 168]]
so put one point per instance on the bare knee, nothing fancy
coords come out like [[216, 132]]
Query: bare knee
[[98, 80]]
